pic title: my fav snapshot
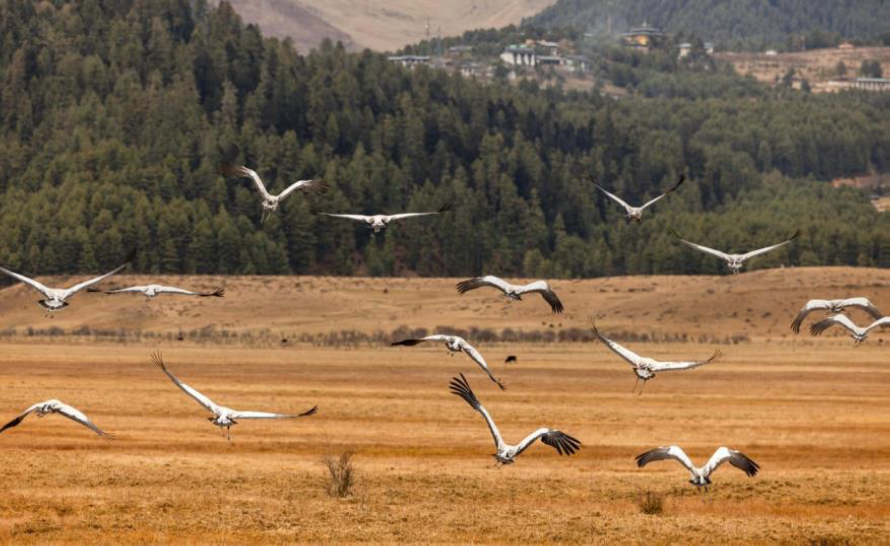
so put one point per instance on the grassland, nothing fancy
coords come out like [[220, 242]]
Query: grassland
[[814, 413]]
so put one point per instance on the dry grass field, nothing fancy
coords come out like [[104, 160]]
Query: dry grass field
[[814, 413]]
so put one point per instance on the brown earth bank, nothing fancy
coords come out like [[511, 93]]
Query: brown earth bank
[[760, 304]]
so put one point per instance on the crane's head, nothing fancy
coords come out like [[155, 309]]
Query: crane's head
[[735, 264], [270, 204], [635, 215]]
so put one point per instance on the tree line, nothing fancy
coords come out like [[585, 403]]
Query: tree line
[[114, 115], [736, 25]]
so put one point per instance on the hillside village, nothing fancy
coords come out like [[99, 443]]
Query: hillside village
[[574, 63]]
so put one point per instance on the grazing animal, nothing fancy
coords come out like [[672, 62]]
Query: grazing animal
[[153, 290], [54, 406], [736, 261], [835, 306], [858, 333], [271, 202], [645, 368], [514, 291], [55, 297], [456, 344], [635, 214], [510, 359], [224, 417], [379, 222], [701, 476], [506, 454]]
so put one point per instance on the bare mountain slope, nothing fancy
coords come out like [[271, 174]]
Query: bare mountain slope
[[382, 25]]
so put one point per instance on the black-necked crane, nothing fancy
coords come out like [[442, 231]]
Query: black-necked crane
[[506, 453]]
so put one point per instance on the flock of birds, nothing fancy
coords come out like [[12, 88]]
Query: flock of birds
[[645, 368]]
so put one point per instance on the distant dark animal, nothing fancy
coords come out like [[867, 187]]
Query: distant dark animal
[[511, 358]]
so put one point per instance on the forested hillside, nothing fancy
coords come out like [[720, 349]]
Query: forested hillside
[[746, 24], [114, 115]]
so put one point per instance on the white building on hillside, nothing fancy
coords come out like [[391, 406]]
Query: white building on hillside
[[519, 55]]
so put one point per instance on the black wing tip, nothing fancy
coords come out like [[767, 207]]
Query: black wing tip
[[564, 444], [674, 233], [817, 328], [14, 423], [218, 293], [444, 208], [131, 256], [405, 342], [796, 235], [158, 360], [229, 169], [319, 186], [465, 286], [646, 457], [678, 184], [557, 306], [461, 387], [311, 411], [747, 464]]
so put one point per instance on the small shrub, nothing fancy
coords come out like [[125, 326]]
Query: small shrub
[[340, 478], [652, 503]]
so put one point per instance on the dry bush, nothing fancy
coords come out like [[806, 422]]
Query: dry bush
[[651, 503], [340, 477]]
